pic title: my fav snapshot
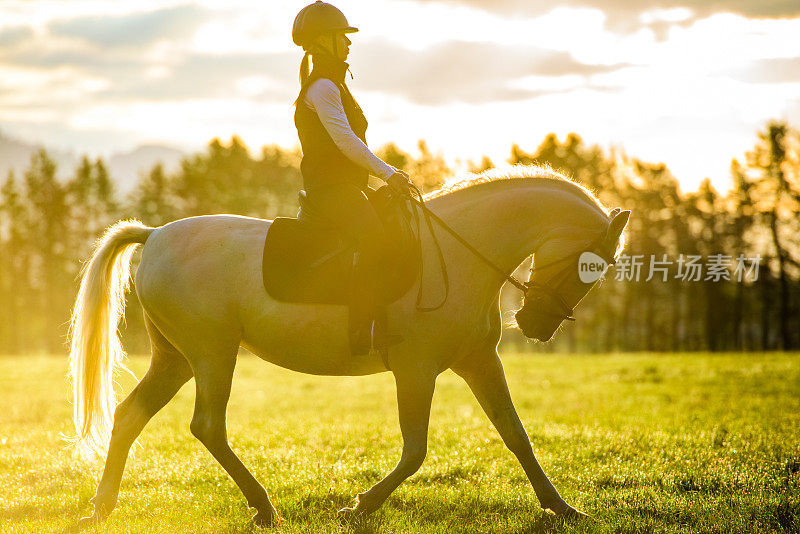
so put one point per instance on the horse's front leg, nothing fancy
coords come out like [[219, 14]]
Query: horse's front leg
[[485, 377], [414, 393]]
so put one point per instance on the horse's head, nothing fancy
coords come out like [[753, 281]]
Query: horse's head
[[560, 280]]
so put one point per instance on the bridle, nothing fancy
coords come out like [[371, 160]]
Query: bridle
[[528, 288], [551, 286]]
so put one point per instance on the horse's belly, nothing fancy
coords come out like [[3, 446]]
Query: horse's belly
[[307, 339]]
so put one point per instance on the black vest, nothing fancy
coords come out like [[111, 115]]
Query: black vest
[[323, 163]]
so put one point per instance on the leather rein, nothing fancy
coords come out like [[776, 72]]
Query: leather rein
[[525, 287]]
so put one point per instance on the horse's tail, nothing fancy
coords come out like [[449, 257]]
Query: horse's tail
[[95, 348]]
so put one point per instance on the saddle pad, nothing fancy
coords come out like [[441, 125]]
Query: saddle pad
[[304, 265], [305, 262]]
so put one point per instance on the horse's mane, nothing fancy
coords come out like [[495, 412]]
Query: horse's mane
[[536, 173]]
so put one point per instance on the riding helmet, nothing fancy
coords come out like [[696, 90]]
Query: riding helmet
[[317, 19]]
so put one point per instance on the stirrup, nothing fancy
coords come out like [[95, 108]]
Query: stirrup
[[382, 340], [377, 341], [380, 343]]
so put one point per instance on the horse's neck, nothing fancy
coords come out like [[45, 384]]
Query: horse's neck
[[509, 220]]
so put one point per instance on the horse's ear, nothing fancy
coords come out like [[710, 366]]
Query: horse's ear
[[613, 213], [617, 224]]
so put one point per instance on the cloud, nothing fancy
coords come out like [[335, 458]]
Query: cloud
[[82, 58], [110, 51], [748, 8], [661, 28], [792, 113], [131, 77], [205, 76], [458, 71], [774, 70], [630, 16], [11, 37], [135, 30], [453, 71]]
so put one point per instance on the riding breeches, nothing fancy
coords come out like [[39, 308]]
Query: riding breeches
[[347, 208]]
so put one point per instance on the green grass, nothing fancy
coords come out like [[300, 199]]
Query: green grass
[[645, 443]]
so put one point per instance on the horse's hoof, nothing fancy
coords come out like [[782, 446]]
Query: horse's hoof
[[568, 513], [346, 513], [350, 514], [265, 520], [82, 524]]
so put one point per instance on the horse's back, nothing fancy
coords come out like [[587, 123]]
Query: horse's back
[[202, 263]]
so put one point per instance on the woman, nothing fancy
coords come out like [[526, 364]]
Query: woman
[[337, 162]]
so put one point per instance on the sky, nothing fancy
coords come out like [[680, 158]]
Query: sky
[[684, 82]]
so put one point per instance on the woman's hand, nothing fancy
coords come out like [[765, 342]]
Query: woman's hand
[[399, 182]]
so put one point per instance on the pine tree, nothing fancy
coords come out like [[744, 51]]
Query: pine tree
[[151, 200], [14, 287], [51, 266], [775, 166], [429, 171]]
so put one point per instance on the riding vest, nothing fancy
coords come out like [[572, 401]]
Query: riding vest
[[323, 163]]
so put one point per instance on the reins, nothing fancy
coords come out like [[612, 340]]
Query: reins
[[442, 263], [428, 214], [522, 286]]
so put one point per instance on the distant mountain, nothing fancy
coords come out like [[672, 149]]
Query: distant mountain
[[16, 155], [124, 167]]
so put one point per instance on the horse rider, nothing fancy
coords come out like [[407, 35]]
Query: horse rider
[[337, 163]]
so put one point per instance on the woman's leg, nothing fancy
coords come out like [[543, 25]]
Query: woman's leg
[[348, 209]]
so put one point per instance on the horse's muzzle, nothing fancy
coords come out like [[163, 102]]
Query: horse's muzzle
[[535, 324]]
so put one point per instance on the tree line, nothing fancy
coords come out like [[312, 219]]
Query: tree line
[[48, 226], [755, 221]]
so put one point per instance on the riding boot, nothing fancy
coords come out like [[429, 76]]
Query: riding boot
[[368, 323]]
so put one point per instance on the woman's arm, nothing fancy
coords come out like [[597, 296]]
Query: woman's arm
[[324, 98]]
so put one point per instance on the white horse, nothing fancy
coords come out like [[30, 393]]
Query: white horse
[[199, 282]]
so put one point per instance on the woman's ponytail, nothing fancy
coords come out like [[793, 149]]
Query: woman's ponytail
[[304, 70], [305, 74]]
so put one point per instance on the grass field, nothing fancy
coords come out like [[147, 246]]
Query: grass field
[[645, 443]]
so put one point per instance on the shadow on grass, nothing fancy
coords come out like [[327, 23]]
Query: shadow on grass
[[28, 512], [549, 523], [426, 511], [479, 514], [329, 501], [314, 508]]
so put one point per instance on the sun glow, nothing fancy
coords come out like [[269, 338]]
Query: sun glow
[[655, 81]]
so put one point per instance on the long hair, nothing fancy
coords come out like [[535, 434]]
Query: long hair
[[305, 71], [305, 75], [313, 51]]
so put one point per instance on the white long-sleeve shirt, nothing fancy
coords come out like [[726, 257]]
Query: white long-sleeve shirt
[[324, 98]]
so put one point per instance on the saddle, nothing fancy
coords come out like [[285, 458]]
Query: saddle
[[306, 261]]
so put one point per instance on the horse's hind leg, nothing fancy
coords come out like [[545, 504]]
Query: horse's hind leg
[[213, 378], [415, 387], [168, 371]]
